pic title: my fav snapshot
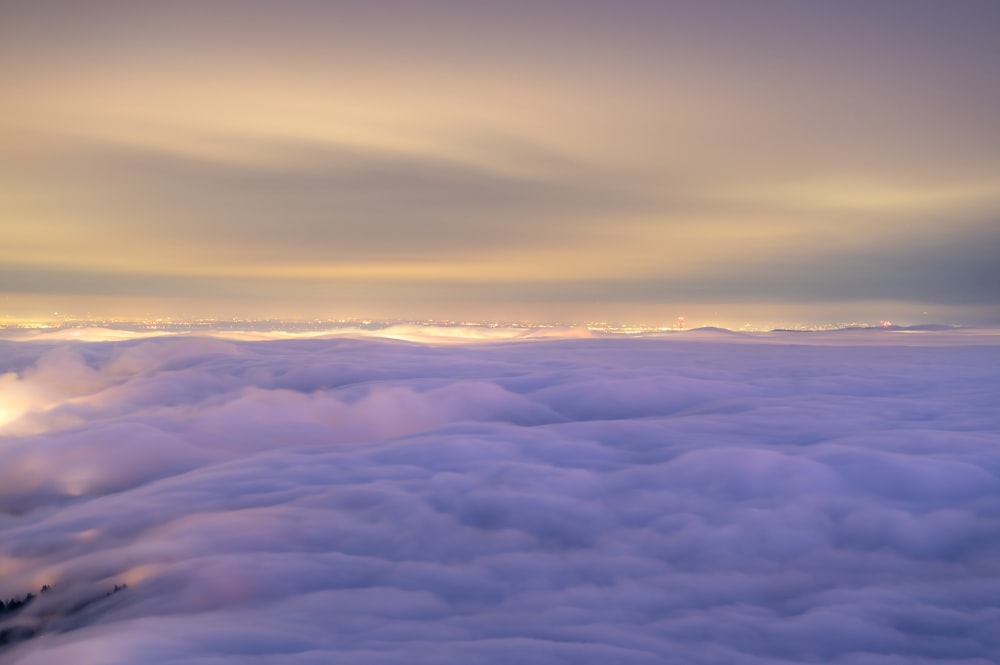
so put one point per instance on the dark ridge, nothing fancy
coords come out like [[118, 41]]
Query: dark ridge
[[34, 626], [921, 326], [930, 327], [16, 604]]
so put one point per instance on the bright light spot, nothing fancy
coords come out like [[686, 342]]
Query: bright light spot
[[11, 406], [16, 399]]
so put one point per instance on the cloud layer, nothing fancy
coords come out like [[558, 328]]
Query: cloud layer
[[568, 501]]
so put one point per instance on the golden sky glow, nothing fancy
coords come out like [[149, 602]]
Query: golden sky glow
[[587, 155]]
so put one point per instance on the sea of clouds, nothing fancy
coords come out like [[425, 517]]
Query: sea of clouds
[[374, 501]]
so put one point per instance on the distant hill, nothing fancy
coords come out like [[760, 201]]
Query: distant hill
[[712, 329], [929, 327]]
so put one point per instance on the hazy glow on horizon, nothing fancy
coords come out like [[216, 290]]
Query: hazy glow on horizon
[[514, 159]]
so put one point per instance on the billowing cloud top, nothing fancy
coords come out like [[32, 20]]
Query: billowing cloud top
[[562, 501], [439, 158]]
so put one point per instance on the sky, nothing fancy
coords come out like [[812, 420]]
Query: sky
[[773, 162], [726, 499]]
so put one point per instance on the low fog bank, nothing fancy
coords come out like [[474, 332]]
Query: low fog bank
[[468, 334], [562, 501]]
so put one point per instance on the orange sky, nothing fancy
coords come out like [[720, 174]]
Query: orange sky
[[783, 161]]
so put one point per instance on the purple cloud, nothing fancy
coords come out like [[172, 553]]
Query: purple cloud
[[576, 501]]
